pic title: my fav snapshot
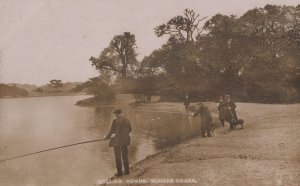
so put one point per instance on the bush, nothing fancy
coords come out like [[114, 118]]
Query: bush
[[103, 93], [271, 92], [38, 90], [12, 91]]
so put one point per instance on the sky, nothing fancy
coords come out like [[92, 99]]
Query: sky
[[41, 40]]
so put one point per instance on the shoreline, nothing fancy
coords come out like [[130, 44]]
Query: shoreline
[[264, 153], [129, 100], [49, 95]]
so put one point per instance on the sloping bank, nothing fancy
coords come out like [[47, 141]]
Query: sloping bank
[[266, 152]]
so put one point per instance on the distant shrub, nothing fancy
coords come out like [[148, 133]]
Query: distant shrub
[[12, 91], [38, 90], [103, 92]]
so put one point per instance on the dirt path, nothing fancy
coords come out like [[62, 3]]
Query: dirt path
[[266, 152]]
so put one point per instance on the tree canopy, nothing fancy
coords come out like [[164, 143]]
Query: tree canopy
[[182, 27], [119, 58], [254, 57], [55, 83]]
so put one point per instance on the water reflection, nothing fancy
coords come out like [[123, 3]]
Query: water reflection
[[34, 124], [152, 131]]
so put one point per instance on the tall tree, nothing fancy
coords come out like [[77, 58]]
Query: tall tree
[[178, 57], [182, 28], [119, 58]]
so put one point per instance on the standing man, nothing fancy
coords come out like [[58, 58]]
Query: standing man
[[206, 119], [186, 102], [119, 139], [231, 114], [222, 110]]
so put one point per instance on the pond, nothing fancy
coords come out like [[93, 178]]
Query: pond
[[32, 124]]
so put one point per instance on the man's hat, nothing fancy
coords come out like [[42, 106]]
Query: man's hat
[[227, 96], [117, 111]]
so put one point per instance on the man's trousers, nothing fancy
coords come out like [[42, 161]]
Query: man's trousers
[[121, 151]]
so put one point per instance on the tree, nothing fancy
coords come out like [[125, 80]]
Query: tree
[[181, 28], [146, 84], [102, 91], [55, 83], [224, 50], [275, 30], [178, 59], [119, 58], [253, 52], [177, 68], [273, 27]]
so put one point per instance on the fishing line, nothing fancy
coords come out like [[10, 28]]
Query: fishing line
[[60, 147], [158, 111], [38, 152], [55, 148]]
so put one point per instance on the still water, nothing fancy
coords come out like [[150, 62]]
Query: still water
[[38, 123]]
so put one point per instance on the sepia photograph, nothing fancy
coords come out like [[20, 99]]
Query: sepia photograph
[[140, 92]]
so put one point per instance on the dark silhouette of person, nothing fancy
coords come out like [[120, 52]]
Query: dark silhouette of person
[[119, 139], [206, 119], [186, 102], [231, 115], [222, 107]]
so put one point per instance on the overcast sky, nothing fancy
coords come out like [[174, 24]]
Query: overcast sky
[[42, 40]]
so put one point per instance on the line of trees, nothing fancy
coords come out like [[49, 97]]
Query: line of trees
[[255, 57], [12, 91]]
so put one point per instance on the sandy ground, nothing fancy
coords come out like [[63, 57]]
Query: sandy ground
[[265, 152]]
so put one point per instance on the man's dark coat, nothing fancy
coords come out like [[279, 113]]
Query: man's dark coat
[[222, 107], [121, 127], [206, 119]]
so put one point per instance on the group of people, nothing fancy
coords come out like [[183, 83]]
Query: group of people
[[119, 137], [227, 113]]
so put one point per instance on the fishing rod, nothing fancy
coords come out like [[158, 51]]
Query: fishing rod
[[158, 111], [55, 148], [60, 147], [160, 120]]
